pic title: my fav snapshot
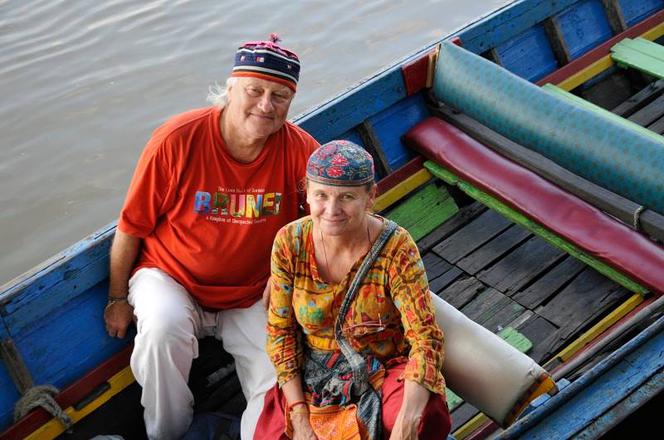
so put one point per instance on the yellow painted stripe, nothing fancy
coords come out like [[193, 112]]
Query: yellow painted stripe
[[600, 327], [654, 33], [548, 385], [471, 426], [584, 75], [393, 195], [54, 428], [604, 63]]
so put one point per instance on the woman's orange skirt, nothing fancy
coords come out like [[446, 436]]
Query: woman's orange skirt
[[337, 424]]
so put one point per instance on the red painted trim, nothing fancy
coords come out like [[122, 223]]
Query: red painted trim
[[415, 74], [601, 51], [70, 395], [401, 174], [457, 41], [587, 227]]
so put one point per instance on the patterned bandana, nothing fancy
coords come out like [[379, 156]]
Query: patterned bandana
[[341, 163], [267, 60]]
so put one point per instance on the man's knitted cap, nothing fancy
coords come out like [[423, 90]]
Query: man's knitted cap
[[341, 163], [267, 60]]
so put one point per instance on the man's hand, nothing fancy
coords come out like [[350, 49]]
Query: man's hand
[[117, 317], [266, 295], [118, 313]]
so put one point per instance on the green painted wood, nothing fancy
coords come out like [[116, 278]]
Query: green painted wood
[[543, 333], [632, 53], [516, 339], [644, 46], [536, 228], [465, 215], [557, 91], [452, 399], [424, 211]]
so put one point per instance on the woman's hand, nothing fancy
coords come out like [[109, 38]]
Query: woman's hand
[[302, 429], [415, 399]]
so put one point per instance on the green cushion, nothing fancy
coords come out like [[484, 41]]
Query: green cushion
[[591, 145]]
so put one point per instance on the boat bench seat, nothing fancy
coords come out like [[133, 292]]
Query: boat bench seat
[[563, 213], [601, 112], [572, 136], [640, 54]]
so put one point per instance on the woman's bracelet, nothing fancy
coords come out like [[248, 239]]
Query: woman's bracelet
[[297, 403]]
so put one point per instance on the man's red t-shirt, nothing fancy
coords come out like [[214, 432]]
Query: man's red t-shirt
[[206, 219]]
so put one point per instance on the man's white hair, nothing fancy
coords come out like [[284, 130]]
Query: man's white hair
[[218, 95]]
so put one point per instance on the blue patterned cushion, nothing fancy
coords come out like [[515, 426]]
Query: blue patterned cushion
[[604, 152]]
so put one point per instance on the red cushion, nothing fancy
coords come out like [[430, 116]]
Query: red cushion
[[563, 213]]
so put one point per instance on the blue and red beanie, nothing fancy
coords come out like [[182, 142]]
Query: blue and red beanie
[[267, 60], [340, 163]]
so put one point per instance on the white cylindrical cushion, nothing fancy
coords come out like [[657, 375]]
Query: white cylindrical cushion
[[482, 368]]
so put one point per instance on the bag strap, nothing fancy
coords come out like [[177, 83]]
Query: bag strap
[[355, 359]]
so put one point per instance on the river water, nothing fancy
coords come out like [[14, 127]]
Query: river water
[[83, 83]]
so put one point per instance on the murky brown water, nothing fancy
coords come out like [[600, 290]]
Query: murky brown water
[[83, 83]]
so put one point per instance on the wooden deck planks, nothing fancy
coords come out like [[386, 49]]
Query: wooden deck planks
[[657, 126], [650, 113], [465, 215], [550, 283], [499, 274], [640, 99], [492, 309], [434, 265], [444, 280], [493, 250], [462, 291], [482, 229], [581, 302], [542, 334], [521, 266]]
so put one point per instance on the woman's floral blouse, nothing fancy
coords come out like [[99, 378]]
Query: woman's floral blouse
[[391, 316]]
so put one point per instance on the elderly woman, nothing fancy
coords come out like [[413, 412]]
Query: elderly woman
[[351, 330]]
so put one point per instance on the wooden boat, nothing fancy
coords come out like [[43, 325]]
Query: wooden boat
[[538, 212]]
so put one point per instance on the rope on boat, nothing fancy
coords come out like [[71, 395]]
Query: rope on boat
[[637, 217], [32, 396], [42, 396]]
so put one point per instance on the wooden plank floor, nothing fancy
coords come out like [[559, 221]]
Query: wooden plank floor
[[501, 275], [505, 276], [646, 107]]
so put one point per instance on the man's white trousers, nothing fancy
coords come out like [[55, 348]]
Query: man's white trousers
[[169, 323]]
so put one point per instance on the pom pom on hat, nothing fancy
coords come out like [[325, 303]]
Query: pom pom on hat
[[267, 60]]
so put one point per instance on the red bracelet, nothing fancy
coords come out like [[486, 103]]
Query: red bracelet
[[294, 404]]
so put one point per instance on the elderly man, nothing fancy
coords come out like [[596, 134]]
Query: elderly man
[[191, 254]]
